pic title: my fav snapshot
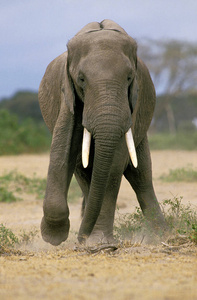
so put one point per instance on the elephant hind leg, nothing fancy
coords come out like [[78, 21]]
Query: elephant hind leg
[[83, 207], [141, 181], [83, 177]]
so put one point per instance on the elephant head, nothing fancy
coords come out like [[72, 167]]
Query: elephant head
[[103, 73], [98, 86]]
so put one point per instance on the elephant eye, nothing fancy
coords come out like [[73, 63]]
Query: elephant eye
[[81, 80], [130, 78]]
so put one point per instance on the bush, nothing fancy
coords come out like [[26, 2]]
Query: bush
[[18, 183], [6, 196], [181, 174], [181, 219], [24, 104], [7, 237], [9, 240], [27, 136], [181, 141]]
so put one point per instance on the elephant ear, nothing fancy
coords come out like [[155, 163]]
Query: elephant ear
[[133, 89], [142, 98], [133, 94], [55, 87]]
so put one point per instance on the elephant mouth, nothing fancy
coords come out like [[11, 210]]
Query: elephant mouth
[[87, 141]]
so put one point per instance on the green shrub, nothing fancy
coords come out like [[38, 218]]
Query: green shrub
[[20, 183], [181, 141], [7, 237], [6, 196], [128, 225], [181, 219], [180, 174], [27, 136], [27, 237]]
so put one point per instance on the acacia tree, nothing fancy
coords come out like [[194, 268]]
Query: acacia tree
[[173, 66]]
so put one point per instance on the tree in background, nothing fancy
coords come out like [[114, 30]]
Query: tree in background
[[22, 136], [173, 66], [24, 104]]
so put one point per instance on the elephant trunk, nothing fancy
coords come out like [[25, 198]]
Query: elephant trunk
[[104, 154], [107, 120]]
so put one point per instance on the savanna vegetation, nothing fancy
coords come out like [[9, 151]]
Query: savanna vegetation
[[181, 218], [22, 135], [25, 132], [14, 184]]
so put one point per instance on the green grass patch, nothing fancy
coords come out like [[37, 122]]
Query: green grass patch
[[25, 136], [10, 240], [14, 182], [127, 226], [179, 141], [181, 219], [27, 237], [7, 196], [187, 174], [18, 183], [7, 237]]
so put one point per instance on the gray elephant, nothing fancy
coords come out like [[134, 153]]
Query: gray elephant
[[97, 99]]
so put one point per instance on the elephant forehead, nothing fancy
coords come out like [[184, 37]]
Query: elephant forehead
[[104, 25], [101, 40]]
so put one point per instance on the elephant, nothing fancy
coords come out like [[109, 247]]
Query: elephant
[[97, 99]]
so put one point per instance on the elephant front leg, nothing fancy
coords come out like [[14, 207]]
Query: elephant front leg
[[141, 181], [55, 222]]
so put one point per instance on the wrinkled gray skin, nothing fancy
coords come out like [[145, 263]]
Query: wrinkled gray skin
[[99, 84]]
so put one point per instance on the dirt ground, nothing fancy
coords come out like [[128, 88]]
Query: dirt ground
[[139, 271]]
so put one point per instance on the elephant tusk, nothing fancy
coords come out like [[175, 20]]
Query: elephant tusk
[[131, 147], [86, 147]]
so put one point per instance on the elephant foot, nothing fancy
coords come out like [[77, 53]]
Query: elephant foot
[[55, 234], [155, 230], [156, 220], [98, 238]]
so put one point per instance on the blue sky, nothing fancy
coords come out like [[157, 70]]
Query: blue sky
[[34, 32]]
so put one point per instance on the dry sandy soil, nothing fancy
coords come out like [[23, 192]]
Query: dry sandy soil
[[41, 271]]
